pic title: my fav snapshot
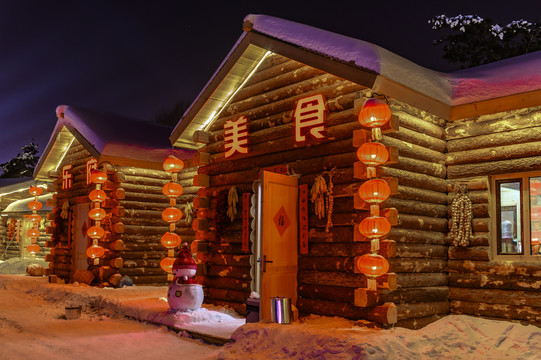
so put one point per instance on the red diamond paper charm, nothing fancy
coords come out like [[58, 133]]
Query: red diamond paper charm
[[281, 220], [84, 228]]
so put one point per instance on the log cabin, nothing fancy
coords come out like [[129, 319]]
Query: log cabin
[[470, 135], [14, 199], [131, 153]]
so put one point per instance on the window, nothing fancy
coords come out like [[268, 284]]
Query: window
[[518, 215]]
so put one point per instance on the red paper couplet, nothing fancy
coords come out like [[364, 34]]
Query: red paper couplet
[[246, 222], [303, 218]]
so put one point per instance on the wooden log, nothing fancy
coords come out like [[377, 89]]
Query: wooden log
[[418, 123], [415, 151], [412, 236], [327, 263], [504, 152], [384, 314], [421, 251], [228, 294], [223, 283], [473, 183], [504, 268], [369, 298], [505, 311], [422, 223], [412, 179], [148, 279], [481, 224], [144, 254], [327, 292], [476, 197], [419, 138], [469, 253], [115, 262], [387, 249], [520, 136], [142, 263], [418, 322], [530, 163], [415, 265], [408, 311], [488, 281], [338, 234], [492, 296], [419, 166], [131, 272], [224, 259], [417, 208], [352, 218], [271, 68], [386, 281], [410, 280], [236, 272], [418, 194]]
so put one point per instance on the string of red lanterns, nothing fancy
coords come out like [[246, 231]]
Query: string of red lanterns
[[170, 240], [374, 114], [96, 214], [33, 233]]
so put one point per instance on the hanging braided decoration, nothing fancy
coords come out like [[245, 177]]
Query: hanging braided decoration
[[232, 200], [461, 217], [317, 196], [330, 200], [188, 211]]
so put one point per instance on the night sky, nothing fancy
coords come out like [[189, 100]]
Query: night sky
[[138, 58]]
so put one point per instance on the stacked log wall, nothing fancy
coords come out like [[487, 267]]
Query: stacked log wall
[[326, 275], [143, 224], [13, 249], [478, 148], [4, 241]]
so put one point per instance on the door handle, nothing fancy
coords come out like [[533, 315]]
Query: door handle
[[264, 263]]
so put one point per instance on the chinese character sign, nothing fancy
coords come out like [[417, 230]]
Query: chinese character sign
[[67, 180], [236, 136], [309, 115], [91, 164]]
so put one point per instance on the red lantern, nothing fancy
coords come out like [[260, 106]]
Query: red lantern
[[95, 232], [171, 214], [170, 240], [33, 233], [35, 218], [167, 264], [374, 113], [374, 191], [97, 214], [374, 226], [373, 154], [95, 251], [35, 205], [372, 265], [98, 177], [173, 164], [35, 190], [97, 196], [172, 189], [33, 248]]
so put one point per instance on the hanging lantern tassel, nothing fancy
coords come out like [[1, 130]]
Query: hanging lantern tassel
[[33, 232], [96, 214], [170, 240]]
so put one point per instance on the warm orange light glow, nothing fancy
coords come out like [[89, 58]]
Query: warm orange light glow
[[95, 232], [97, 214], [167, 264], [98, 177], [373, 154], [170, 240], [172, 189], [171, 214], [33, 248], [35, 190], [95, 251], [97, 195], [173, 164], [373, 265], [374, 113], [35, 218], [33, 233], [374, 226], [35, 205], [374, 191]]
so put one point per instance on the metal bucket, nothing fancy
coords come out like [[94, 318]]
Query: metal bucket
[[73, 312], [281, 310]]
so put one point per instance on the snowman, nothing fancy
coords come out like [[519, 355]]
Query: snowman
[[184, 293]]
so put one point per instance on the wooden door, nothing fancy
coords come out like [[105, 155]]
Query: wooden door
[[279, 240], [80, 241]]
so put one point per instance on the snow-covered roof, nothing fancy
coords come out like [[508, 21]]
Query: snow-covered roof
[[454, 95], [21, 206], [108, 137]]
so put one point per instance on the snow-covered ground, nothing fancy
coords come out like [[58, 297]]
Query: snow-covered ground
[[32, 326]]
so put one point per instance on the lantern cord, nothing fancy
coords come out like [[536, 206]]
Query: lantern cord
[[378, 94]]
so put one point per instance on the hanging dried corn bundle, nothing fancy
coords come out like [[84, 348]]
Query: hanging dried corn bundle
[[330, 201], [461, 217], [317, 196], [232, 200]]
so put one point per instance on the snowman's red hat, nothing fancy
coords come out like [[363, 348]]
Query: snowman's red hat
[[184, 259]]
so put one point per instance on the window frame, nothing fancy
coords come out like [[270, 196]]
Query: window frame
[[525, 218]]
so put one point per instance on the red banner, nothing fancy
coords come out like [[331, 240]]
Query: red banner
[[303, 218], [246, 222]]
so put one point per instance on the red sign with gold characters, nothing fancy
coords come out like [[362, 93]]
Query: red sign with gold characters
[[91, 164], [303, 219], [67, 178], [246, 222], [310, 114], [236, 136]]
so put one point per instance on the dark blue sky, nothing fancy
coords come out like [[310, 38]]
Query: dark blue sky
[[137, 58]]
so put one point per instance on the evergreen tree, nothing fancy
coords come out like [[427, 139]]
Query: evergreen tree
[[472, 40], [23, 164]]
